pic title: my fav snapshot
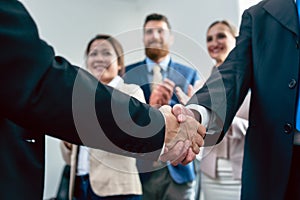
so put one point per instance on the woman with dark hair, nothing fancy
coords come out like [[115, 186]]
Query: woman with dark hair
[[97, 174], [221, 165]]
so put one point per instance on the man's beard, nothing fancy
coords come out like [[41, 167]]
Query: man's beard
[[155, 54]]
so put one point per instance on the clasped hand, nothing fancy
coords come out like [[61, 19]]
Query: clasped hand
[[183, 135]]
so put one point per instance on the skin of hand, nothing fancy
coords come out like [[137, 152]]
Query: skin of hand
[[182, 97], [188, 131], [180, 152], [162, 93], [68, 145], [182, 114]]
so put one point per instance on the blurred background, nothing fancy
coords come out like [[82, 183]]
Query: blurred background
[[68, 26]]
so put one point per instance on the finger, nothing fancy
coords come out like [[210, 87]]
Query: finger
[[166, 88], [166, 149], [178, 112], [183, 154], [195, 147], [189, 157], [176, 152], [169, 82], [199, 141], [164, 92], [182, 97], [201, 130], [178, 109], [173, 152], [190, 90], [179, 92], [180, 159]]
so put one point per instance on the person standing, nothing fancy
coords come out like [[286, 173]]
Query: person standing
[[171, 182], [265, 60], [42, 93], [221, 165], [97, 174]]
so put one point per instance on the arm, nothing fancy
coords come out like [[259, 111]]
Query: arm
[[66, 151], [226, 88], [48, 94]]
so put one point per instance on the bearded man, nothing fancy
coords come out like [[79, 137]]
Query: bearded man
[[158, 75]]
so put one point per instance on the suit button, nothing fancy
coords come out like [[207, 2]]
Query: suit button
[[292, 84], [288, 128], [297, 45]]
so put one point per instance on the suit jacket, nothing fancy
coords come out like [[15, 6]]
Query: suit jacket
[[110, 174], [182, 76], [265, 59], [46, 94], [22, 162]]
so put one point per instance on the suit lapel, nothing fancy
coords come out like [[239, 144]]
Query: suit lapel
[[142, 79], [285, 12]]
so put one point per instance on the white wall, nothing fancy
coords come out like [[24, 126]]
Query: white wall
[[69, 25]]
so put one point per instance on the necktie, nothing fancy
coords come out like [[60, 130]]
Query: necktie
[[298, 106], [157, 76]]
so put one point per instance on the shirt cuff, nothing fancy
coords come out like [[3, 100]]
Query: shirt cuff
[[204, 113]]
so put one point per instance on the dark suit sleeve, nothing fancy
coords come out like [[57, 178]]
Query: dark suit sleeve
[[47, 94], [226, 88]]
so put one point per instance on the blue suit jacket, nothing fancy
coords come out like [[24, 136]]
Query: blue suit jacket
[[182, 76]]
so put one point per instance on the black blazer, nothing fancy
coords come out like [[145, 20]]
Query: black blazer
[[46, 94], [266, 59]]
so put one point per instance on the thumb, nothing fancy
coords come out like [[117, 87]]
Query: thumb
[[179, 112]]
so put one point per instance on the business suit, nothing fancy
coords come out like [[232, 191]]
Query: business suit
[[266, 59], [110, 174], [37, 91], [182, 76]]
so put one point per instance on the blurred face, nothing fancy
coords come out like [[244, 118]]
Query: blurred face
[[220, 42], [102, 61], [157, 40]]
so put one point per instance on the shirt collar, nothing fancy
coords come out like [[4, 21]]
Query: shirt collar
[[114, 83], [163, 64]]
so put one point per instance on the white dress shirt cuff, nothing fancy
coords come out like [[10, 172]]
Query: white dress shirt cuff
[[204, 113]]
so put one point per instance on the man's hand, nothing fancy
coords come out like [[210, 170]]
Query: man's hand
[[162, 93], [182, 97], [182, 113], [68, 145], [182, 140]]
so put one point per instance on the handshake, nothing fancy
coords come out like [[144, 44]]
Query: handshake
[[184, 135]]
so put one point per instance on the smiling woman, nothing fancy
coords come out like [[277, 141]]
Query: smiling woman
[[220, 40], [221, 165], [100, 174], [104, 58]]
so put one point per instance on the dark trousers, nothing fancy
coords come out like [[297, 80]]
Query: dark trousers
[[93, 196], [293, 189], [81, 187]]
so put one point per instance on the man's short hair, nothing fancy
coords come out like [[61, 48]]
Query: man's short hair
[[157, 17]]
